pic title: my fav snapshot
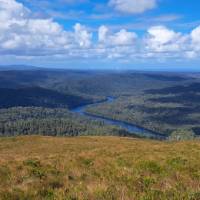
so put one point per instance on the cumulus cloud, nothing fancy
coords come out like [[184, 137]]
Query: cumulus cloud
[[195, 35], [22, 34], [162, 39], [82, 36], [11, 12], [132, 6], [116, 45], [121, 38]]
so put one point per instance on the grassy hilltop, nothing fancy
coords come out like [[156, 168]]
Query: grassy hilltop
[[102, 168]]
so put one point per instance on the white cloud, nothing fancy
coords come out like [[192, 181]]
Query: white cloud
[[121, 38], [191, 54], [132, 6], [21, 34], [162, 42], [162, 39], [103, 33], [11, 12], [195, 36], [116, 45], [82, 36]]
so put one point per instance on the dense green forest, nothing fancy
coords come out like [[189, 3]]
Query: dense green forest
[[162, 102], [52, 122], [162, 110]]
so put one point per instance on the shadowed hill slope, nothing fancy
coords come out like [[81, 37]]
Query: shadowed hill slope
[[36, 96]]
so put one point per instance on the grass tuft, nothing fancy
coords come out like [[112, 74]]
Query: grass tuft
[[98, 168]]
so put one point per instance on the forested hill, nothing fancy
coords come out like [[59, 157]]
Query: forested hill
[[52, 122], [153, 100], [37, 96]]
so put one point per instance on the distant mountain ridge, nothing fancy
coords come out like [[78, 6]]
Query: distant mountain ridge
[[18, 67]]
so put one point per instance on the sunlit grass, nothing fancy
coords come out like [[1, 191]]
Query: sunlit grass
[[100, 168]]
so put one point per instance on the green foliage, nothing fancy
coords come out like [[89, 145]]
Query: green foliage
[[151, 166], [32, 163], [86, 162], [177, 162], [53, 122], [182, 134], [35, 168], [5, 174]]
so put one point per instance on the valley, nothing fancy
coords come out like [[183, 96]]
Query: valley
[[156, 101], [99, 100]]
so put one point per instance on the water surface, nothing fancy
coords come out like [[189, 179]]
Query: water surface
[[131, 128]]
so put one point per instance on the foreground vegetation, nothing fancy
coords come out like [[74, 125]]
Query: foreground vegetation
[[103, 168]]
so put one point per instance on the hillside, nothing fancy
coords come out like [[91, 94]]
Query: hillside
[[38, 97], [152, 100], [102, 168]]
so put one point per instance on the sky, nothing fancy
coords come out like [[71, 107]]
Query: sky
[[101, 34]]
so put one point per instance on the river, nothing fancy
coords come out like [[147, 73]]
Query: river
[[131, 128]]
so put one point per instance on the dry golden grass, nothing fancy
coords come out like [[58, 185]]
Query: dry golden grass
[[109, 168]]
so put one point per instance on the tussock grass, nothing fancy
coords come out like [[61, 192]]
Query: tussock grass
[[110, 168]]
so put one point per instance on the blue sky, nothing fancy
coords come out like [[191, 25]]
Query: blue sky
[[106, 34]]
